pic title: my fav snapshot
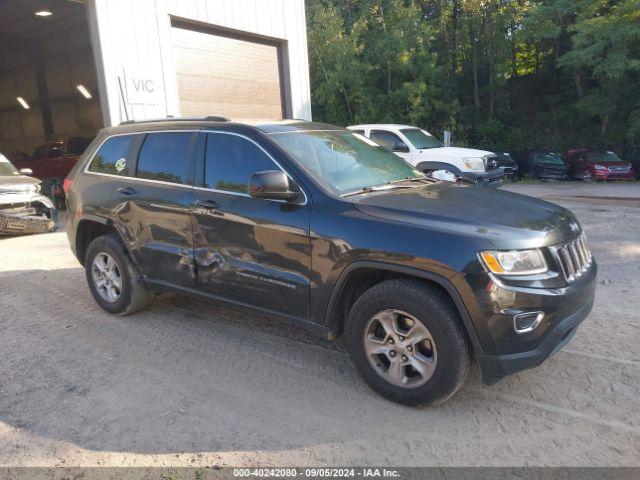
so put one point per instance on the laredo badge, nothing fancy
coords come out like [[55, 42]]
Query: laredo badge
[[120, 164]]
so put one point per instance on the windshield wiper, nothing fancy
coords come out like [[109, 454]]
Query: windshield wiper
[[411, 179], [374, 188]]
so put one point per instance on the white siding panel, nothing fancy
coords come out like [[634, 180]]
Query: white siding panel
[[135, 36]]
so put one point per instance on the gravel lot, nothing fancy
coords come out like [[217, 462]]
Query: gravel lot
[[188, 383]]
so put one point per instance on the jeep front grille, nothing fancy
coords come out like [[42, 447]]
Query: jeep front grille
[[619, 169], [573, 257]]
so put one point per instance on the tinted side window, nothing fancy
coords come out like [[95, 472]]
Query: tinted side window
[[165, 157], [385, 139], [111, 157], [230, 162]]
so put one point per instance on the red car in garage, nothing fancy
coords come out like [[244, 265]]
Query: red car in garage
[[56, 159], [585, 164]]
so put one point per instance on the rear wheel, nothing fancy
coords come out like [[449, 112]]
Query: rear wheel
[[113, 280], [407, 342]]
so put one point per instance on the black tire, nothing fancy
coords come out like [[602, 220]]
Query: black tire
[[134, 295], [436, 312]]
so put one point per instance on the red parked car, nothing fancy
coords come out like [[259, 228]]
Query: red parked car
[[585, 164], [56, 159]]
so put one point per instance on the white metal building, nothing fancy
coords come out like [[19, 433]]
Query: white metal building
[[69, 67]]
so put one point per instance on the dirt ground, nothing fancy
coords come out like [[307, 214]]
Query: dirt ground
[[194, 384]]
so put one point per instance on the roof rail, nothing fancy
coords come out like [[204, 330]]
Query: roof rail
[[169, 118]]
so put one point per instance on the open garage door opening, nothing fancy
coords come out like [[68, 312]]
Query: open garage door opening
[[49, 105], [228, 73]]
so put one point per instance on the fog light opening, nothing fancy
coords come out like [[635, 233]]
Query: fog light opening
[[527, 322]]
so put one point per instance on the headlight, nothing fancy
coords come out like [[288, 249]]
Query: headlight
[[514, 262], [599, 167], [475, 164]]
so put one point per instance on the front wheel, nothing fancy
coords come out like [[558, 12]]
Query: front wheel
[[408, 343]]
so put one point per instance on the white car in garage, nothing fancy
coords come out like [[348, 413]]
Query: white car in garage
[[430, 155]]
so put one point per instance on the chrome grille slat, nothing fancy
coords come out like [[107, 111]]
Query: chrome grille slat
[[576, 259], [573, 257]]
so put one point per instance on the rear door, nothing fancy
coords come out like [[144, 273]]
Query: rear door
[[152, 207], [248, 250]]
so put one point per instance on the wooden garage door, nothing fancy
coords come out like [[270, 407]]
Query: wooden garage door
[[225, 76]]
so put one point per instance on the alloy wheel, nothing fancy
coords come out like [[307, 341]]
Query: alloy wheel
[[400, 348], [106, 277]]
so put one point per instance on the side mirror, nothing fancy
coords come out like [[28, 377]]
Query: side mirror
[[26, 171], [273, 185], [400, 147]]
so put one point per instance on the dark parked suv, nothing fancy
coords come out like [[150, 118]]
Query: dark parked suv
[[320, 227]]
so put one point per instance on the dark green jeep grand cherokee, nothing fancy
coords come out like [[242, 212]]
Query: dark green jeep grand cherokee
[[321, 227]]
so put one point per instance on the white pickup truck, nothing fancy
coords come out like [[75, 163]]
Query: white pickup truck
[[428, 154]]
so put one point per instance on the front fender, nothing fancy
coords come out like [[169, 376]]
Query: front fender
[[332, 319]]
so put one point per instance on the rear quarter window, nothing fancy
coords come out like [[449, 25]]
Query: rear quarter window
[[112, 156]]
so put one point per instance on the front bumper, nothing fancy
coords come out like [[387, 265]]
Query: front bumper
[[505, 351], [492, 178], [511, 172], [496, 367], [551, 175], [606, 175], [26, 213]]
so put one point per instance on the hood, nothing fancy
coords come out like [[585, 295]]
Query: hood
[[455, 152], [615, 163], [18, 180], [551, 166], [507, 220], [503, 161]]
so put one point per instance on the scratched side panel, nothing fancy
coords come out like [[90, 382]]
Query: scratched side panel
[[158, 229]]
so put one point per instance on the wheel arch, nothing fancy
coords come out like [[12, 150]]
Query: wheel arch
[[88, 229], [429, 166], [347, 289]]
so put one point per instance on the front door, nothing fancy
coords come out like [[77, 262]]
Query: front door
[[391, 142], [248, 250]]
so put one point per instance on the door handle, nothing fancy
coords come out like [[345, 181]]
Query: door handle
[[207, 205], [128, 191]]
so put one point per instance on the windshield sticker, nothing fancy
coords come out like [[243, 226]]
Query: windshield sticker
[[121, 164]]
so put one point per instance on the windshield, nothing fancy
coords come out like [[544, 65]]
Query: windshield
[[548, 158], [6, 167], [344, 161], [595, 157], [421, 139]]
